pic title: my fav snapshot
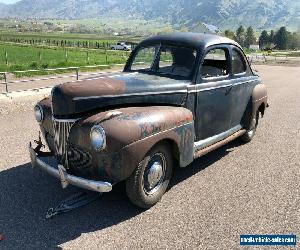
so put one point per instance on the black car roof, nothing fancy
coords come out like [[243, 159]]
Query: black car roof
[[193, 40]]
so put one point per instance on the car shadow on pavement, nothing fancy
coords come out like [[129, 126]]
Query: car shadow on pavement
[[27, 193], [181, 174]]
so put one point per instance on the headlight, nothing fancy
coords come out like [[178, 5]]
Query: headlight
[[38, 113], [98, 139]]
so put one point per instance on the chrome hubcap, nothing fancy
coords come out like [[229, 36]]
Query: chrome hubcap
[[154, 173]]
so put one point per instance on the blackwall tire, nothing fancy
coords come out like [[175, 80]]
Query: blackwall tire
[[146, 186]]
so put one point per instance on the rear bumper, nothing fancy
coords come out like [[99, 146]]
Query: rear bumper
[[65, 178]]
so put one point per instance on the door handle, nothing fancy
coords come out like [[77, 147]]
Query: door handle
[[228, 90]]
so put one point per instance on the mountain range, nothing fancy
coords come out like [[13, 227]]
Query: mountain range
[[261, 14]]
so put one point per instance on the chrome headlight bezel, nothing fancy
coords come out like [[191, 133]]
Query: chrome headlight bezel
[[98, 138], [39, 113]]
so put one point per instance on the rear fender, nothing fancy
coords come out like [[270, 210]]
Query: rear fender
[[258, 102], [259, 99]]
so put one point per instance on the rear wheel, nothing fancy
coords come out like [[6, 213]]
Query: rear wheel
[[248, 136], [149, 181]]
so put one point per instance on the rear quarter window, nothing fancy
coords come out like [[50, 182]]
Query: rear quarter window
[[215, 63], [238, 62]]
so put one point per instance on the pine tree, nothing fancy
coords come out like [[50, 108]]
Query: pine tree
[[263, 39], [271, 37], [250, 37], [240, 35], [281, 38]]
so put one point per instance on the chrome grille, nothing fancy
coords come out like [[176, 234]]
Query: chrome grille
[[62, 130]]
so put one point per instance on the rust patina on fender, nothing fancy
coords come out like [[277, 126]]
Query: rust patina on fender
[[130, 134], [259, 99]]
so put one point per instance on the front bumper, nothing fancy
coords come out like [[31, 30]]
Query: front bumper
[[65, 178]]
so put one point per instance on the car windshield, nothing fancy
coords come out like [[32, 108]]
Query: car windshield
[[165, 60]]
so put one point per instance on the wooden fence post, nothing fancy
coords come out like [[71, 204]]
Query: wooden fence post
[[6, 58], [77, 74], [87, 57], [106, 57], [6, 84]]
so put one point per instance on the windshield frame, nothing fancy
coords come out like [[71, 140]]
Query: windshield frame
[[152, 71]]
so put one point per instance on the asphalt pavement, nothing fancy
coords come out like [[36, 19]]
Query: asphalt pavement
[[238, 189]]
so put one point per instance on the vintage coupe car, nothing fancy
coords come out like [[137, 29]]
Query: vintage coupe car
[[179, 97]]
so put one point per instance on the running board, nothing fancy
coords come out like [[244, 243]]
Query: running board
[[214, 146]]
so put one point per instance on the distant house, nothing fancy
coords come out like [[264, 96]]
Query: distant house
[[212, 28], [254, 47]]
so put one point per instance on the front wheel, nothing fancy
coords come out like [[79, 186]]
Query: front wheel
[[146, 186], [249, 134]]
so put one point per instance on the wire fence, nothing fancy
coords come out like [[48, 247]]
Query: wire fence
[[76, 74], [64, 43], [273, 58]]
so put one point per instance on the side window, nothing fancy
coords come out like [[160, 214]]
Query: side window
[[215, 63], [144, 58], [165, 60], [238, 62], [176, 61]]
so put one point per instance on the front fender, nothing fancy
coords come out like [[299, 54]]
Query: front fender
[[132, 133]]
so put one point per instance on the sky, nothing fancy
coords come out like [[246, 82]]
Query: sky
[[9, 1]]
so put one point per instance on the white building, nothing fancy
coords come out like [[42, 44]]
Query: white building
[[254, 47]]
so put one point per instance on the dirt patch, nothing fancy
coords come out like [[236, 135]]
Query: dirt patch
[[19, 102]]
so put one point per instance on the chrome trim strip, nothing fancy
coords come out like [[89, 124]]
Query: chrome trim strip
[[211, 88], [223, 86], [162, 92], [216, 138], [260, 98], [97, 186], [64, 120], [131, 94]]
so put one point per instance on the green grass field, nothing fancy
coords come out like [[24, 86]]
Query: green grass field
[[30, 57]]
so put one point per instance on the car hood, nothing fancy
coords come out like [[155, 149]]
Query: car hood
[[74, 98]]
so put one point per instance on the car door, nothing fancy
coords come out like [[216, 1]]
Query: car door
[[213, 86], [243, 83]]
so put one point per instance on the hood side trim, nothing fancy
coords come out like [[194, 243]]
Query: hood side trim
[[131, 94]]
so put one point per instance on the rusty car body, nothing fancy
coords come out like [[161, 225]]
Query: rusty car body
[[179, 97]]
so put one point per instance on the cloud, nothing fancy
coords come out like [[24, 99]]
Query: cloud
[[9, 1]]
